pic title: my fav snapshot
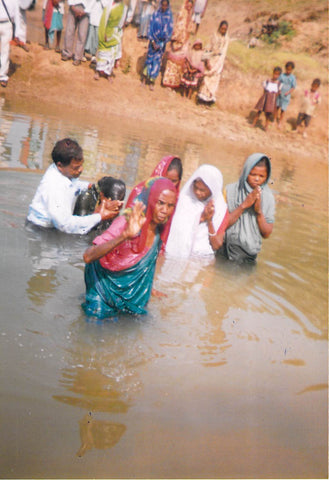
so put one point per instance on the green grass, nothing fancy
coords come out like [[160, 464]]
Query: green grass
[[263, 59]]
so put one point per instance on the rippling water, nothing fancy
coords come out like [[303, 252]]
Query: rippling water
[[226, 377]]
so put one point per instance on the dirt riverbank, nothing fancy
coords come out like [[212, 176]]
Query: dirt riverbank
[[40, 77]]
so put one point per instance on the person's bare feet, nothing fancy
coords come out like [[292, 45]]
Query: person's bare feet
[[96, 76]]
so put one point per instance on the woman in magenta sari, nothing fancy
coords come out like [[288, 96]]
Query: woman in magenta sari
[[169, 167], [120, 265]]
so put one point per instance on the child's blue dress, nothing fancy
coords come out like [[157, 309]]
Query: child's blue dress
[[288, 82]]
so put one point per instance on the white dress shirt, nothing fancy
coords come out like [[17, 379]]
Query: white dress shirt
[[13, 10], [53, 204]]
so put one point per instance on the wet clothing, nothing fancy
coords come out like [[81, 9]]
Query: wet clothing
[[243, 239], [159, 171], [187, 235], [109, 293], [121, 281], [54, 201]]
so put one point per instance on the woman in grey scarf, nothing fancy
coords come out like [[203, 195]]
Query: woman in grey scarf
[[252, 206]]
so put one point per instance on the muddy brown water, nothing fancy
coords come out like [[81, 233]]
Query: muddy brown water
[[225, 378]]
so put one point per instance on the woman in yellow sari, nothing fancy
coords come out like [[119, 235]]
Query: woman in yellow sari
[[214, 61], [109, 38]]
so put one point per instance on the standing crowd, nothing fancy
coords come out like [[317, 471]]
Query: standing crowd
[[95, 28], [200, 220]]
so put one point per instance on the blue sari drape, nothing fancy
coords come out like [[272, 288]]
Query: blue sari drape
[[160, 32], [109, 293]]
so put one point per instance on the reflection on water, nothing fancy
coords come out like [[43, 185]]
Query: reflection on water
[[225, 377]]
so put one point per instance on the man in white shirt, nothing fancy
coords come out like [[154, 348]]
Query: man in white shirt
[[9, 14], [54, 200]]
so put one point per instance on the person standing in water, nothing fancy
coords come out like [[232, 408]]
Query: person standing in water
[[251, 207], [120, 265], [54, 200]]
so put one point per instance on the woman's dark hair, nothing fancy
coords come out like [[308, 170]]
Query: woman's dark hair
[[277, 69], [65, 151], [316, 81], [264, 162], [290, 64], [223, 22], [176, 164], [112, 188]]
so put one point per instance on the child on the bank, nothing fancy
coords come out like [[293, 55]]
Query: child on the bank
[[52, 16], [251, 208], [193, 68], [288, 81], [309, 102], [267, 102]]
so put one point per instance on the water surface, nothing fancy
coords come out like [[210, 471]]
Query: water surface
[[224, 378]]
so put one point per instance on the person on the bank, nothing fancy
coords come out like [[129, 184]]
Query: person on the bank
[[201, 215], [170, 167], [288, 85], [91, 45], [160, 32], [178, 47], [267, 102], [120, 265], [194, 68], [311, 99], [109, 38], [107, 188], [77, 25], [54, 200], [9, 15], [198, 13], [21, 27], [214, 58], [252, 206], [53, 11], [147, 9]]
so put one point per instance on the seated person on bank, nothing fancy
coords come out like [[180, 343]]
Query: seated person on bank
[[105, 190], [54, 200]]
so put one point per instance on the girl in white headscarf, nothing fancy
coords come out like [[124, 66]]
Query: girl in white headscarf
[[201, 215]]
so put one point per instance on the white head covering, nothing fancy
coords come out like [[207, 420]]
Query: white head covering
[[187, 235]]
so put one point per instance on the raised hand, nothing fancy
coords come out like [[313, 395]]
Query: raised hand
[[136, 220]]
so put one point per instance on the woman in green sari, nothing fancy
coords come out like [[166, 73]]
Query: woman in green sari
[[121, 263], [109, 38]]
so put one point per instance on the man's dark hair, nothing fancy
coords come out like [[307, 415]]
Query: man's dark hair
[[65, 151]]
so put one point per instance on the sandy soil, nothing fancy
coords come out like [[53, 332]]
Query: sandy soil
[[40, 76]]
